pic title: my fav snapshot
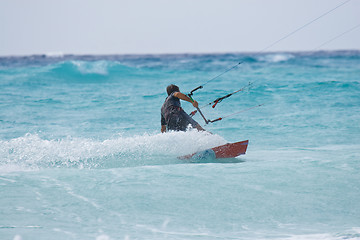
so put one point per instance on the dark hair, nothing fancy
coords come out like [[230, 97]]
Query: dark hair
[[172, 88]]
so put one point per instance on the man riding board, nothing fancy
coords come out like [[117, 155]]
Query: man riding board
[[173, 117]]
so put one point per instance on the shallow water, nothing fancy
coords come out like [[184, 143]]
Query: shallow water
[[81, 155]]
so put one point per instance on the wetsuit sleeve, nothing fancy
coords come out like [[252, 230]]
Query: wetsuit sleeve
[[163, 122]]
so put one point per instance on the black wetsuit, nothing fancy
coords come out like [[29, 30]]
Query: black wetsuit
[[173, 116]]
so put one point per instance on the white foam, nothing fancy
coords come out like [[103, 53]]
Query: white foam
[[276, 57], [17, 237], [103, 237], [98, 67], [54, 54], [33, 152], [352, 234]]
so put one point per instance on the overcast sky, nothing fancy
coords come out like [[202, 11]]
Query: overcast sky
[[173, 26]]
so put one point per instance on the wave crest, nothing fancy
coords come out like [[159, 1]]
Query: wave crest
[[276, 57]]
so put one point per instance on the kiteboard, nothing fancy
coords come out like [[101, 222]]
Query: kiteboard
[[229, 150]]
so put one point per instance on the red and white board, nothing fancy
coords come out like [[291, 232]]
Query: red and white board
[[229, 150]]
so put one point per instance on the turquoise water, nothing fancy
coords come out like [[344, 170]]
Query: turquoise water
[[82, 156]]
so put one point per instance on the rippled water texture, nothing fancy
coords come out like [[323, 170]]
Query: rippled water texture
[[82, 156]]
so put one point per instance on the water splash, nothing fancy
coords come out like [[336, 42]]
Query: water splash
[[33, 152]]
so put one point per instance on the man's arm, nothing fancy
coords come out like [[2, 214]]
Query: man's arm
[[163, 128], [194, 103], [163, 124], [186, 98]]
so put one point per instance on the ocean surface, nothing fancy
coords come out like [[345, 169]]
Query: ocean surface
[[82, 156]]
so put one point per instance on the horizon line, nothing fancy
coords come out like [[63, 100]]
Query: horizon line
[[59, 54]]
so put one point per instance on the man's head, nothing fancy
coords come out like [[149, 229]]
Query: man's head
[[172, 88]]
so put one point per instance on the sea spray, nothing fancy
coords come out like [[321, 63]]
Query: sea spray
[[33, 152]]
